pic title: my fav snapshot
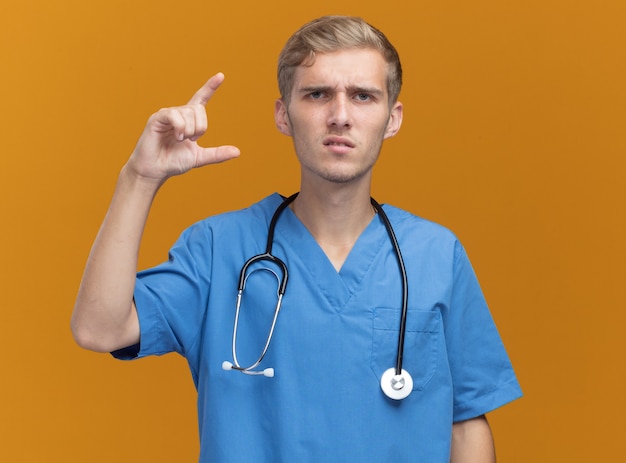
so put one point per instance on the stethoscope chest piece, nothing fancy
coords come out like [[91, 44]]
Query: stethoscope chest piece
[[396, 387]]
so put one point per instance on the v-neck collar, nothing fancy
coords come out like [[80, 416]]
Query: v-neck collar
[[337, 287]]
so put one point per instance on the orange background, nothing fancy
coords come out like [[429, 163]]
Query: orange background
[[514, 137]]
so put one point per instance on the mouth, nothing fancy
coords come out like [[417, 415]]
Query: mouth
[[338, 141]]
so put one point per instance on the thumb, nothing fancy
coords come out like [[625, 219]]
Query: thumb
[[206, 156]]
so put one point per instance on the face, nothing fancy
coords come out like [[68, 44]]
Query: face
[[339, 115]]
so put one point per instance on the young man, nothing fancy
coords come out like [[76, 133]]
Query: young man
[[338, 331]]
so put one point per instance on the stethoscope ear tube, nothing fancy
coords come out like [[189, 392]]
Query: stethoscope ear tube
[[282, 287]]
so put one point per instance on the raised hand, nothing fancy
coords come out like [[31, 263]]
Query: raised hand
[[104, 317], [168, 145]]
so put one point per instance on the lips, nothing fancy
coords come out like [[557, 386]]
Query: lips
[[338, 142]]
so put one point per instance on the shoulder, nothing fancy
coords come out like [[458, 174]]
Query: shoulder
[[216, 231], [257, 214], [410, 225], [419, 237]]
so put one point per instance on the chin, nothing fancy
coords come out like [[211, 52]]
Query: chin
[[343, 176]]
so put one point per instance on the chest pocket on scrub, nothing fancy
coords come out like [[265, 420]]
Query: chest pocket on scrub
[[420, 344]]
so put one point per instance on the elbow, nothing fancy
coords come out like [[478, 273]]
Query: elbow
[[82, 326], [101, 334], [84, 337]]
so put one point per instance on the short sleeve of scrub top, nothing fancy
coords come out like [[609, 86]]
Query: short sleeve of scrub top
[[483, 379]]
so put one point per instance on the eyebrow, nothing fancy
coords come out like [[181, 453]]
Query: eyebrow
[[351, 89]]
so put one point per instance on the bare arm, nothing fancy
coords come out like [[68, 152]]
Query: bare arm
[[104, 317], [472, 442]]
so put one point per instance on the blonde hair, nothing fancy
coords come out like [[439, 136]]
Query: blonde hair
[[333, 33]]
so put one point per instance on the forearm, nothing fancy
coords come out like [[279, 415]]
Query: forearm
[[104, 317], [472, 442]]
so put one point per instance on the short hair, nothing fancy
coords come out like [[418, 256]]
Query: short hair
[[334, 33]]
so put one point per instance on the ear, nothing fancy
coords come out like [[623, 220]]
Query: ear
[[281, 117], [395, 120]]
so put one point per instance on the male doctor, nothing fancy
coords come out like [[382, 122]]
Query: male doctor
[[338, 326]]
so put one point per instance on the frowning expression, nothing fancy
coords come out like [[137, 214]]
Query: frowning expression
[[339, 114]]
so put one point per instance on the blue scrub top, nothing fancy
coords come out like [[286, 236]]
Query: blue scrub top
[[336, 334]]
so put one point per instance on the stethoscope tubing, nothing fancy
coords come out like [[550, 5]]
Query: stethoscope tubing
[[396, 382], [282, 286], [405, 284]]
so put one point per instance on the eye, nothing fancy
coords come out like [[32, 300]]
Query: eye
[[363, 96], [316, 95]]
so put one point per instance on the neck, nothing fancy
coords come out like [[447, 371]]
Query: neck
[[335, 219]]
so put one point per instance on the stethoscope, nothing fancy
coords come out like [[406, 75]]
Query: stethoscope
[[396, 382]]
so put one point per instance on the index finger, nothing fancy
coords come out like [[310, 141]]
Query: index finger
[[204, 94]]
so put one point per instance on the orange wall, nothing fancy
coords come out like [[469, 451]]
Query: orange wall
[[515, 117]]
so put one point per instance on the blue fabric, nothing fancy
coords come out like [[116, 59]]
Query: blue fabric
[[335, 336]]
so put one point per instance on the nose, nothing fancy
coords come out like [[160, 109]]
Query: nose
[[339, 112]]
